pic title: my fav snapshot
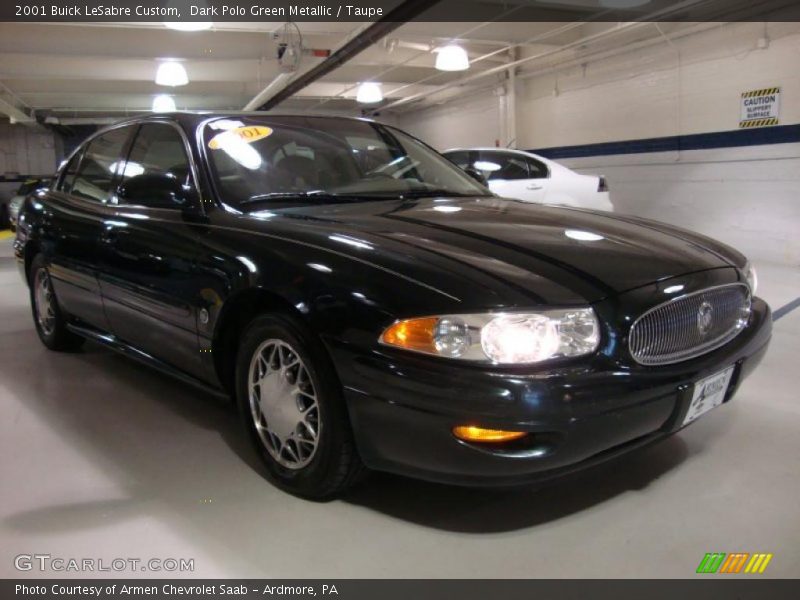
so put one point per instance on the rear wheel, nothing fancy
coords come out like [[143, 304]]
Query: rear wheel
[[291, 405], [47, 316]]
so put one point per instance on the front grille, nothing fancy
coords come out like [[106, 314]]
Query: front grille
[[691, 325]]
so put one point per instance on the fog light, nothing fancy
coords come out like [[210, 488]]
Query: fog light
[[470, 433]]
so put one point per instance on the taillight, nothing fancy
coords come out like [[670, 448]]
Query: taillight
[[602, 184]]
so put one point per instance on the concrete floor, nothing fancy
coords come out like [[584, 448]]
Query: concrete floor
[[102, 458]]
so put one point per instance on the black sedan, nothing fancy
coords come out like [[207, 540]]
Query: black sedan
[[371, 306]]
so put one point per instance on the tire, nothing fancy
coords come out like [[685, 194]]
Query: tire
[[4, 220], [297, 418], [48, 318]]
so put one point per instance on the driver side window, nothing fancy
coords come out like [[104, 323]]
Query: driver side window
[[158, 152]]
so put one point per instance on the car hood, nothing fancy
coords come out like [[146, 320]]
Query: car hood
[[591, 254]]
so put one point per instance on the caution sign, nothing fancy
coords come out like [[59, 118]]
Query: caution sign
[[760, 108]]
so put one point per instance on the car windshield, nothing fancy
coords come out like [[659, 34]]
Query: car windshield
[[308, 160]]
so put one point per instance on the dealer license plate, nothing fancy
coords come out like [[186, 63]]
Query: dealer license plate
[[708, 393]]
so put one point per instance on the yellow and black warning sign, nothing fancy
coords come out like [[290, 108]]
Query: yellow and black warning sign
[[760, 108], [758, 123]]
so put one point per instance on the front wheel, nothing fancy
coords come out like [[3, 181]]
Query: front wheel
[[291, 404], [47, 315]]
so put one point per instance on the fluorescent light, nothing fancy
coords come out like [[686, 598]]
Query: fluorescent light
[[188, 25], [131, 168], [251, 266], [163, 103], [486, 165], [351, 241], [239, 150], [452, 58], [320, 267], [171, 73], [369, 92], [582, 236]]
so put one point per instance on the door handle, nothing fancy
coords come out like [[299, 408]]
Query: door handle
[[534, 186]]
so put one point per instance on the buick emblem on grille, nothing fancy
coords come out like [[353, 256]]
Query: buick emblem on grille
[[705, 315]]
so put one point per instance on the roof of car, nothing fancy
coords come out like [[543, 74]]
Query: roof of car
[[194, 118], [508, 150], [487, 149]]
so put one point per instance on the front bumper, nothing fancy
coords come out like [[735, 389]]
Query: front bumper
[[403, 408]]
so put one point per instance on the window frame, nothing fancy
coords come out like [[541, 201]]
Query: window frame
[[81, 150], [192, 177], [214, 191], [76, 154], [534, 160]]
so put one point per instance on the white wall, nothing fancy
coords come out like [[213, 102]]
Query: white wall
[[691, 86], [471, 120], [748, 197]]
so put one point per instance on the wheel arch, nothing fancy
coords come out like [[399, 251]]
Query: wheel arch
[[30, 251], [236, 313]]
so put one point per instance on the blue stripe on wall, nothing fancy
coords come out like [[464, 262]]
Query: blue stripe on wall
[[780, 134]]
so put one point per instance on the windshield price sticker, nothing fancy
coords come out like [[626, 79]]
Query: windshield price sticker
[[247, 134]]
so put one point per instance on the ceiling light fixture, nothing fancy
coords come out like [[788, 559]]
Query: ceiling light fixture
[[369, 92], [163, 103], [188, 25], [171, 73], [451, 58]]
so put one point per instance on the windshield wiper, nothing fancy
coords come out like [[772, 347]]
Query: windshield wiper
[[322, 194], [436, 192], [288, 196]]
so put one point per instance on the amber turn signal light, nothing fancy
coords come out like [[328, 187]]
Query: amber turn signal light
[[412, 334], [470, 433]]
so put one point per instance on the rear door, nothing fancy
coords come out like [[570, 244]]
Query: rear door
[[148, 276], [74, 221]]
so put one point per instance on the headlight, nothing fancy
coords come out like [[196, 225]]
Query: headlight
[[503, 338], [751, 277]]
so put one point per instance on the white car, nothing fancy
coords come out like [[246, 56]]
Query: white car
[[533, 178]]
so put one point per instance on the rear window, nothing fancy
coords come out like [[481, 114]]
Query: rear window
[[98, 167]]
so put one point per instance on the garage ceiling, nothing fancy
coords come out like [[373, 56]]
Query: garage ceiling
[[77, 73]]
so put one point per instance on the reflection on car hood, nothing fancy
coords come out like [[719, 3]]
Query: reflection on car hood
[[595, 254]]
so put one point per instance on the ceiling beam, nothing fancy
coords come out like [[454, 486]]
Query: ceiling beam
[[13, 107], [391, 21]]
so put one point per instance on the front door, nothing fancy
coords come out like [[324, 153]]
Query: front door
[[148, 277]]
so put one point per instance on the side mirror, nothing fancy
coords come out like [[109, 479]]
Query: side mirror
[[476, 175], [158, 190]]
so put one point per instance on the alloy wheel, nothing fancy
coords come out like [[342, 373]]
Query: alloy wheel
[[283, 404], [45, 302]]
